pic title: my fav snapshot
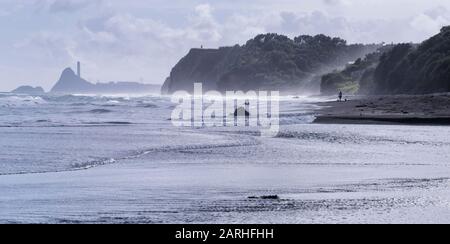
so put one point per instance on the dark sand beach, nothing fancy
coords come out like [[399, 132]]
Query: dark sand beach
[[431, 109], [96, 160]]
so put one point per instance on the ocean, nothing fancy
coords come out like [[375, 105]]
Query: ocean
[[119, 159]]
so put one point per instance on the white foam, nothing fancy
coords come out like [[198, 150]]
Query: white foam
[[21, 100]]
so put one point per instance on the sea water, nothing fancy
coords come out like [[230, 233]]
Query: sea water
[[119, 159]]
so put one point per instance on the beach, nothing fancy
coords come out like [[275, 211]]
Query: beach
[[395, 109], [119, 160]]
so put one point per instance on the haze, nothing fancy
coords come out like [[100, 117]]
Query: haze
[[142, 40]]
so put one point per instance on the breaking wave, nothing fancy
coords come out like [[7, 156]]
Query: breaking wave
[[15, 101]]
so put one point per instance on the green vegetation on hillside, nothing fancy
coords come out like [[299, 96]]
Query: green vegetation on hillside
[[399, 69], [416, 70], [266, 62], [357, 77]]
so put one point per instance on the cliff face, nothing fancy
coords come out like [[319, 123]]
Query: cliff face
[[399, 69], [267, 62], [200, 65]]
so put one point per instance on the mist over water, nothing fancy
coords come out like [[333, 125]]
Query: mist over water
[[45, 130], [118, 159], [249, 112]]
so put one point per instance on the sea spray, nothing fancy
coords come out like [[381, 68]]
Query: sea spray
[[236, 108]]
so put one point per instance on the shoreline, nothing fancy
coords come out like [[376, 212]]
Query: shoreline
[[432, 109]]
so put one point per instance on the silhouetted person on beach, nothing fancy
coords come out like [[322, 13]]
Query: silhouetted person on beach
[[340, 96]]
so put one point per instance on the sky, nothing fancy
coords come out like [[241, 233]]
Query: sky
[[141, 40]]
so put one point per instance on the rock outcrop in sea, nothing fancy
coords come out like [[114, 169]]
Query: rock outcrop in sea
[[70, 83], [29, 90]]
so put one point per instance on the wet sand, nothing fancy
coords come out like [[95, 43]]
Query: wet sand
[[54, 172], [399, 109], [320, 173]]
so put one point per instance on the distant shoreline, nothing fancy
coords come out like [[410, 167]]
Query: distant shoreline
[[433, 109]]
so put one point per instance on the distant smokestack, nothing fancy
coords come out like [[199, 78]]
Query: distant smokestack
[[79, 69]]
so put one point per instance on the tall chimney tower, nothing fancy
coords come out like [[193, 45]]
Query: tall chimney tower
[[79, 69]]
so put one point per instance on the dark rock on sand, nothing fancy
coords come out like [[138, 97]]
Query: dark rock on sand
[[268, 197], [241, 112]]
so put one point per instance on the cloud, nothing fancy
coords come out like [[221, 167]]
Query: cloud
[[203, 25], [431, 21], [4, 13], [48, 46], [120, 46], [337, 2], [65, 6], [316, 22], [125, 44]]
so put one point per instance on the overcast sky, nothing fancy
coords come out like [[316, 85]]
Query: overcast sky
[[141, 40]]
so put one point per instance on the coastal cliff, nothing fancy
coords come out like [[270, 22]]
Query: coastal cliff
[[397, 69], [267, 62], [411, 69], [201, 65]]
